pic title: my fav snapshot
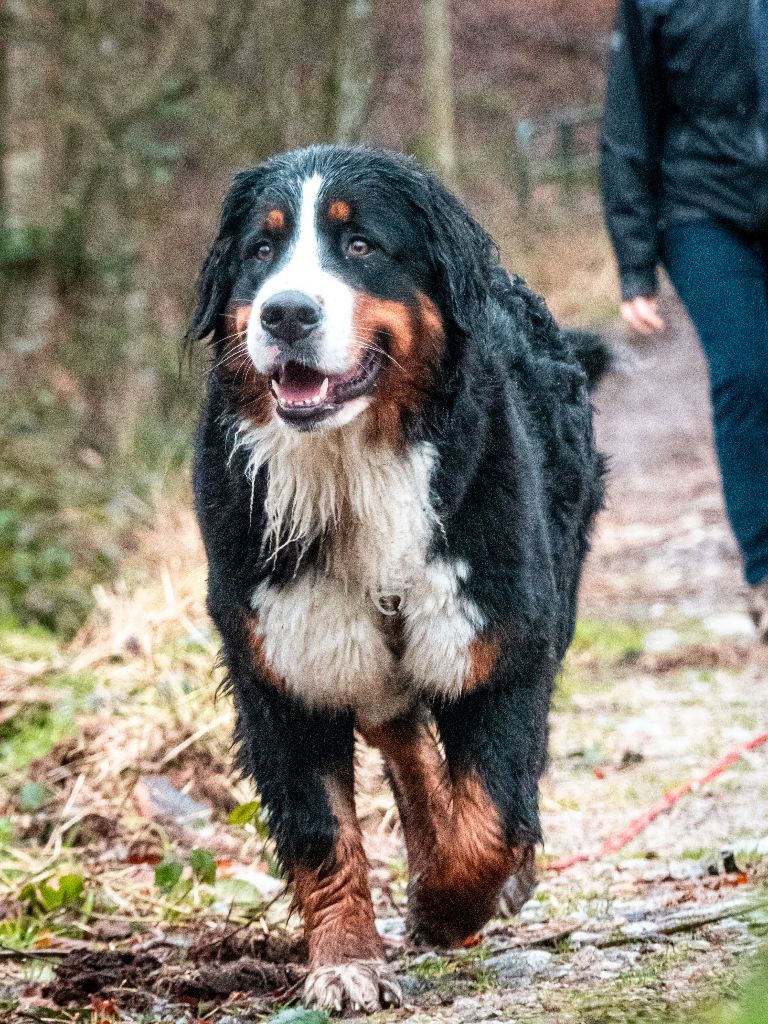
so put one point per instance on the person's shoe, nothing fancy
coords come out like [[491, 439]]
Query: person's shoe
[[758, 609]]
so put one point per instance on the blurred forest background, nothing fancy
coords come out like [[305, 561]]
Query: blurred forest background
[[120, 126]]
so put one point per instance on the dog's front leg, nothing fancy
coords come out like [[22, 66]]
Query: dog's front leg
[[303, 767], [345, 950], [469, 819], [458, 855]]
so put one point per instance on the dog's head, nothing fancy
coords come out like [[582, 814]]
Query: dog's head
[[341, 280]]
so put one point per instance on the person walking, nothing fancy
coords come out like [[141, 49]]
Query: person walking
[[685, 185]]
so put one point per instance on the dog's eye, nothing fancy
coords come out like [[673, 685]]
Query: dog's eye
[[264, 251], [358, 247]]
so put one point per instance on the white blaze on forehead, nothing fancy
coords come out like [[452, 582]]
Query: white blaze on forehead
[[303, 265], [304, 272]]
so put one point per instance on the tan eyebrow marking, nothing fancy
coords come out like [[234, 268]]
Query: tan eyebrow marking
[[339, 210], [275, 220]]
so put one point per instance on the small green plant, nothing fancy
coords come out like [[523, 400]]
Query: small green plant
[[170, 872], [245, 814], [20, 932], [252, 815], [44, 897], [33, 796], [299, 1015], [168, 875], [203, 866]]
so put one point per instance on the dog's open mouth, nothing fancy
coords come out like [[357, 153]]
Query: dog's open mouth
[[305, 395]]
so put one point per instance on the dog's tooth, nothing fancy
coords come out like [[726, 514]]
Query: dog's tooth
[[323, 389]]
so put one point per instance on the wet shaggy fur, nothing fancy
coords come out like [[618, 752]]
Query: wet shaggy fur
[[411, 575]]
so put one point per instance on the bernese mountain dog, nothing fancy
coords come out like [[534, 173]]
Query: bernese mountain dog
[[395, 478]]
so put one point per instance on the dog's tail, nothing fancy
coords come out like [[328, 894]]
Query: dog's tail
[[593, 352]]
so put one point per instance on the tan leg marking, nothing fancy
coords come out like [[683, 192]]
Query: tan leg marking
[[334, 899], [458, 857], [346, 955]]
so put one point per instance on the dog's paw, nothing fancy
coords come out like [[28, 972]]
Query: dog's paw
[[519, 888], [366, 985]]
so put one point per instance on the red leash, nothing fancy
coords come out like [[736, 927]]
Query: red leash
[[621, 839]]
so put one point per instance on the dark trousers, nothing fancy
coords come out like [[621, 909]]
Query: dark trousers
[[722, 278]]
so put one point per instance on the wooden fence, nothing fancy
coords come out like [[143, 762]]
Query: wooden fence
[[563, 161]]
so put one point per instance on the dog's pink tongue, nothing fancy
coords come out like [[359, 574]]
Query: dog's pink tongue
[[299, 383]]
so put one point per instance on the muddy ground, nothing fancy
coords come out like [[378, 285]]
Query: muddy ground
[[662, 681]]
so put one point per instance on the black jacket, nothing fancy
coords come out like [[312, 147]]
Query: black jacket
[[683, 137]]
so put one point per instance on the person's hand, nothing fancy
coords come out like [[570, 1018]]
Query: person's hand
[[642, 314]]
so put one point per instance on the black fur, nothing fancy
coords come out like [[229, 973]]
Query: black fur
[[516, 487], [596, 356]]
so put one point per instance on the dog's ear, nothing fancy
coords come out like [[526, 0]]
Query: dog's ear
[[213, 288], [217, 276], [464, 256]]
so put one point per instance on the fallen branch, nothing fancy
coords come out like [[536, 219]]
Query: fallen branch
[[30, 954], [676, 925]]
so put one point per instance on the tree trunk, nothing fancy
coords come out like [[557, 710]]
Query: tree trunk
[[438, 88], [356, 70], [5, 116]]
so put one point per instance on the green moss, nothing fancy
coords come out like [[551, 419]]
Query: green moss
[[607, 641], [29, 643], [37, 727], [432, 968], [459, 974]]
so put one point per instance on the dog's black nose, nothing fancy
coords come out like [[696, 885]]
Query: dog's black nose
[[290, 316]]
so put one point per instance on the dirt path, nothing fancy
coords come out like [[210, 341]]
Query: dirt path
[[662, 543]]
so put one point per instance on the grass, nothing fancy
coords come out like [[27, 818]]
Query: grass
[[610, 643], [454, 975], [754, 1002], [72, 509], [600, 648], [39, 725], [137, 685]]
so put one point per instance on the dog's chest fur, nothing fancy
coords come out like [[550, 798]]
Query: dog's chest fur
[[328, 633]]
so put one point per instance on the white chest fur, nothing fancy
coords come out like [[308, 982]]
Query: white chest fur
[[324, 633]]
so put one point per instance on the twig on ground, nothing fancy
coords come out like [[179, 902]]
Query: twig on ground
[[30, 954], [202, 731]]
